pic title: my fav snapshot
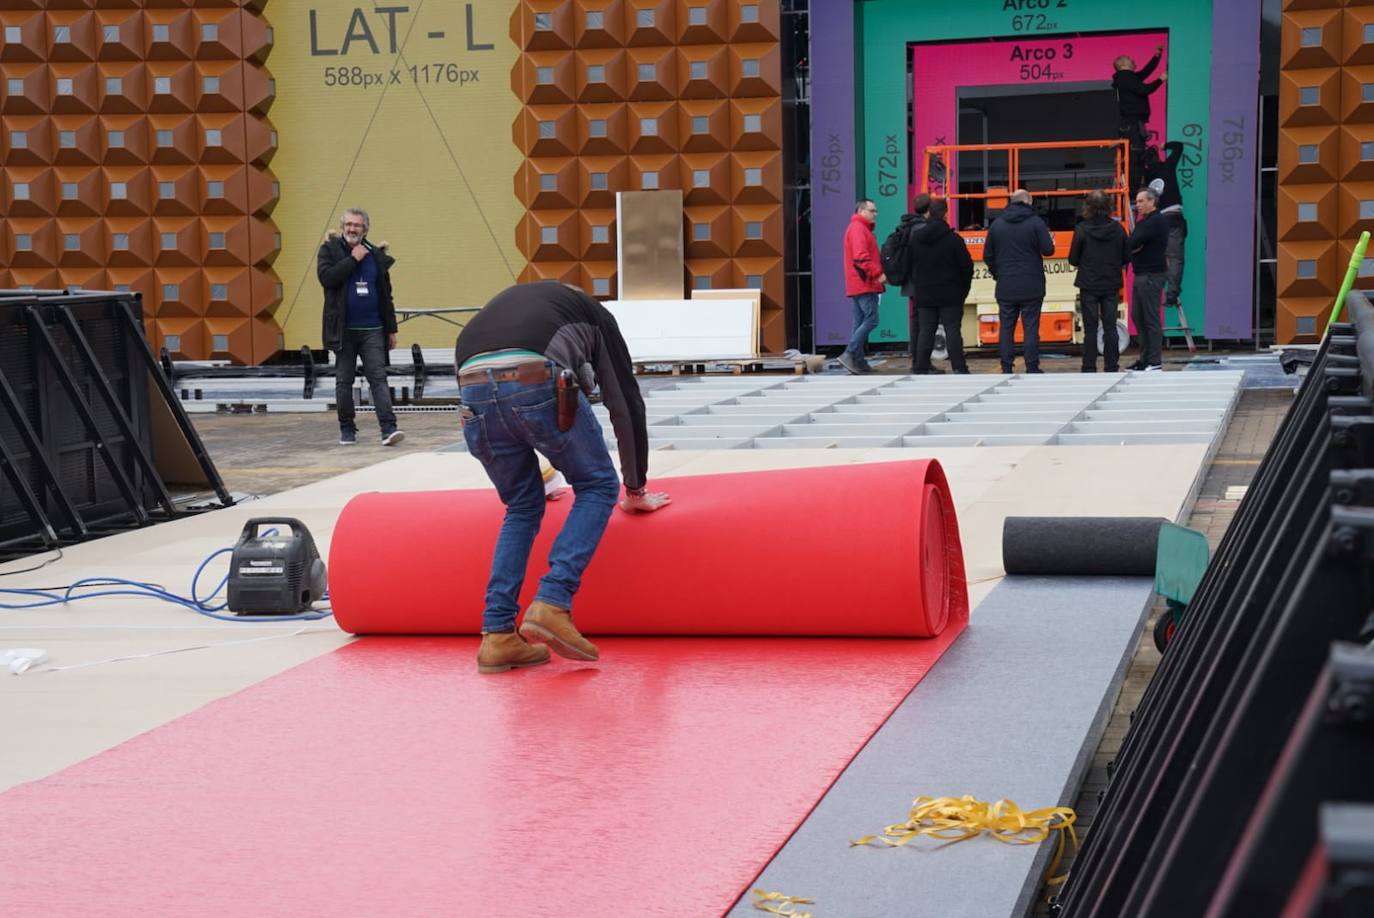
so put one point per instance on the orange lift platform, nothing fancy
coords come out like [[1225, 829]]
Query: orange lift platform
[[1059, 319]]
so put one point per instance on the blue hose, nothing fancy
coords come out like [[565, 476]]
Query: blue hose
[[201, 605]]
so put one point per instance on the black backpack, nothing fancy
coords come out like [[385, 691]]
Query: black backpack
[[895, 252]]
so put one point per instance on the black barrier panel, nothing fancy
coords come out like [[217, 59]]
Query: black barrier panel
[[76, 431], [1187, 824]]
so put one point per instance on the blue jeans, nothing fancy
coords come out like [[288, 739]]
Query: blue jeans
[[1007, 314], [865, 320], [504, 424]]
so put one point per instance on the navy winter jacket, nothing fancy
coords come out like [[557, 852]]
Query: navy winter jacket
[[1014, 253]]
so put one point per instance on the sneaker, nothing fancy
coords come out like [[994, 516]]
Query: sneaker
[[1006, 369], [546, 624], [1153, 368], [933, 371], [391, 439], [1135, 367], [1034, 370], [348, 437], [505, 651], [848, 363], [963, 371]]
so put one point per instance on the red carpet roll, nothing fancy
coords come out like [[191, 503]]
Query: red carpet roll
[[855, 550]]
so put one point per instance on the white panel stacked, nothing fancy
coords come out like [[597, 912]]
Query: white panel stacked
[[924, 412]]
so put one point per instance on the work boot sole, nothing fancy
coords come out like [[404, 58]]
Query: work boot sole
[[503, 667], [534, 632]]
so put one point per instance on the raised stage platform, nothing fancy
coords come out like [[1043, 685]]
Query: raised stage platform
[[1000, 715]]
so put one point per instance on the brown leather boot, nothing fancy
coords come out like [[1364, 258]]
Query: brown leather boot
[[553, 626], [500, 652]]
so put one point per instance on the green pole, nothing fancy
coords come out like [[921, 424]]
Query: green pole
[[1350, 272]]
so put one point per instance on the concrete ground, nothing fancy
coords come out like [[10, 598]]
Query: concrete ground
[[266, 453]]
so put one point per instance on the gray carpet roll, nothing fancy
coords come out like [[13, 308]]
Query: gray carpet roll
[[1093, 545]]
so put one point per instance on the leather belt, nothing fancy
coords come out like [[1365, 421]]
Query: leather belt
[[527, 373]]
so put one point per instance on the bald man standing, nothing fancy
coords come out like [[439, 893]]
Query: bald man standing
[[1015, 251]]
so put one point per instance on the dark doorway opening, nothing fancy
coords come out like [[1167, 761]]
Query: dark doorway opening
[[1036, 114]]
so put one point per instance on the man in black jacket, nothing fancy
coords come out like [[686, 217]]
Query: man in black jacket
[[1148, 244], [920, 209], [359, 320], [1133, 106], [1162, 176], [941, 272], [1100, 250], [523, 364], [1015, 251]]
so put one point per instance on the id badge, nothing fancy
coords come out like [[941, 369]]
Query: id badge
[[360, 287]]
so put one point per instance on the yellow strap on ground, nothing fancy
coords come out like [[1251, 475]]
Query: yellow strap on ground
[[955, 819], [776, 903]]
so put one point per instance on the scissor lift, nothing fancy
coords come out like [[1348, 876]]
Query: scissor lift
[[1059, 321]]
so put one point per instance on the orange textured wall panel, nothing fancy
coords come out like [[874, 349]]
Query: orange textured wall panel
[[663, 94], [710, 273], [1322, 146], [1308, 212], [1311, 38], [143, 127], [1356, 49], [137, 133], [1364, 278], [1355, 208], [596, 235]]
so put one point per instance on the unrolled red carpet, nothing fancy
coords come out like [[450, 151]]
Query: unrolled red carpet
[[388, 778]]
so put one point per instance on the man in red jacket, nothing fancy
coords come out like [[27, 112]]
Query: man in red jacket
[[863, 283]]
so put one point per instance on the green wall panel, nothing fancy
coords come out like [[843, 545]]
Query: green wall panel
[[885, 27]]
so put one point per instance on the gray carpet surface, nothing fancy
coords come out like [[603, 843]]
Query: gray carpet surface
[[1014, 710]]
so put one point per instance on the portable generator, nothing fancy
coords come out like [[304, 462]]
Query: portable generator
[[280, 573]]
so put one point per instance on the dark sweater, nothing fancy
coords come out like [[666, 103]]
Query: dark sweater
[[1148, 244], [363, 309], [1166, 169], [941, 267], [1100, 251], [574, 331]]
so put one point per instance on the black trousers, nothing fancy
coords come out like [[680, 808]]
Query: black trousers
[[1133, 130], [1173, 253], [1099, 309], [370, 345], [923, 320], [1145, 293], [1029, 314]]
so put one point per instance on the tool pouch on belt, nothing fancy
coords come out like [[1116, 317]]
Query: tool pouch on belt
[[567, 399]]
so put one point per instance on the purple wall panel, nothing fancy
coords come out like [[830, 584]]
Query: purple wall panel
[[1231, 164], [833, 156]]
